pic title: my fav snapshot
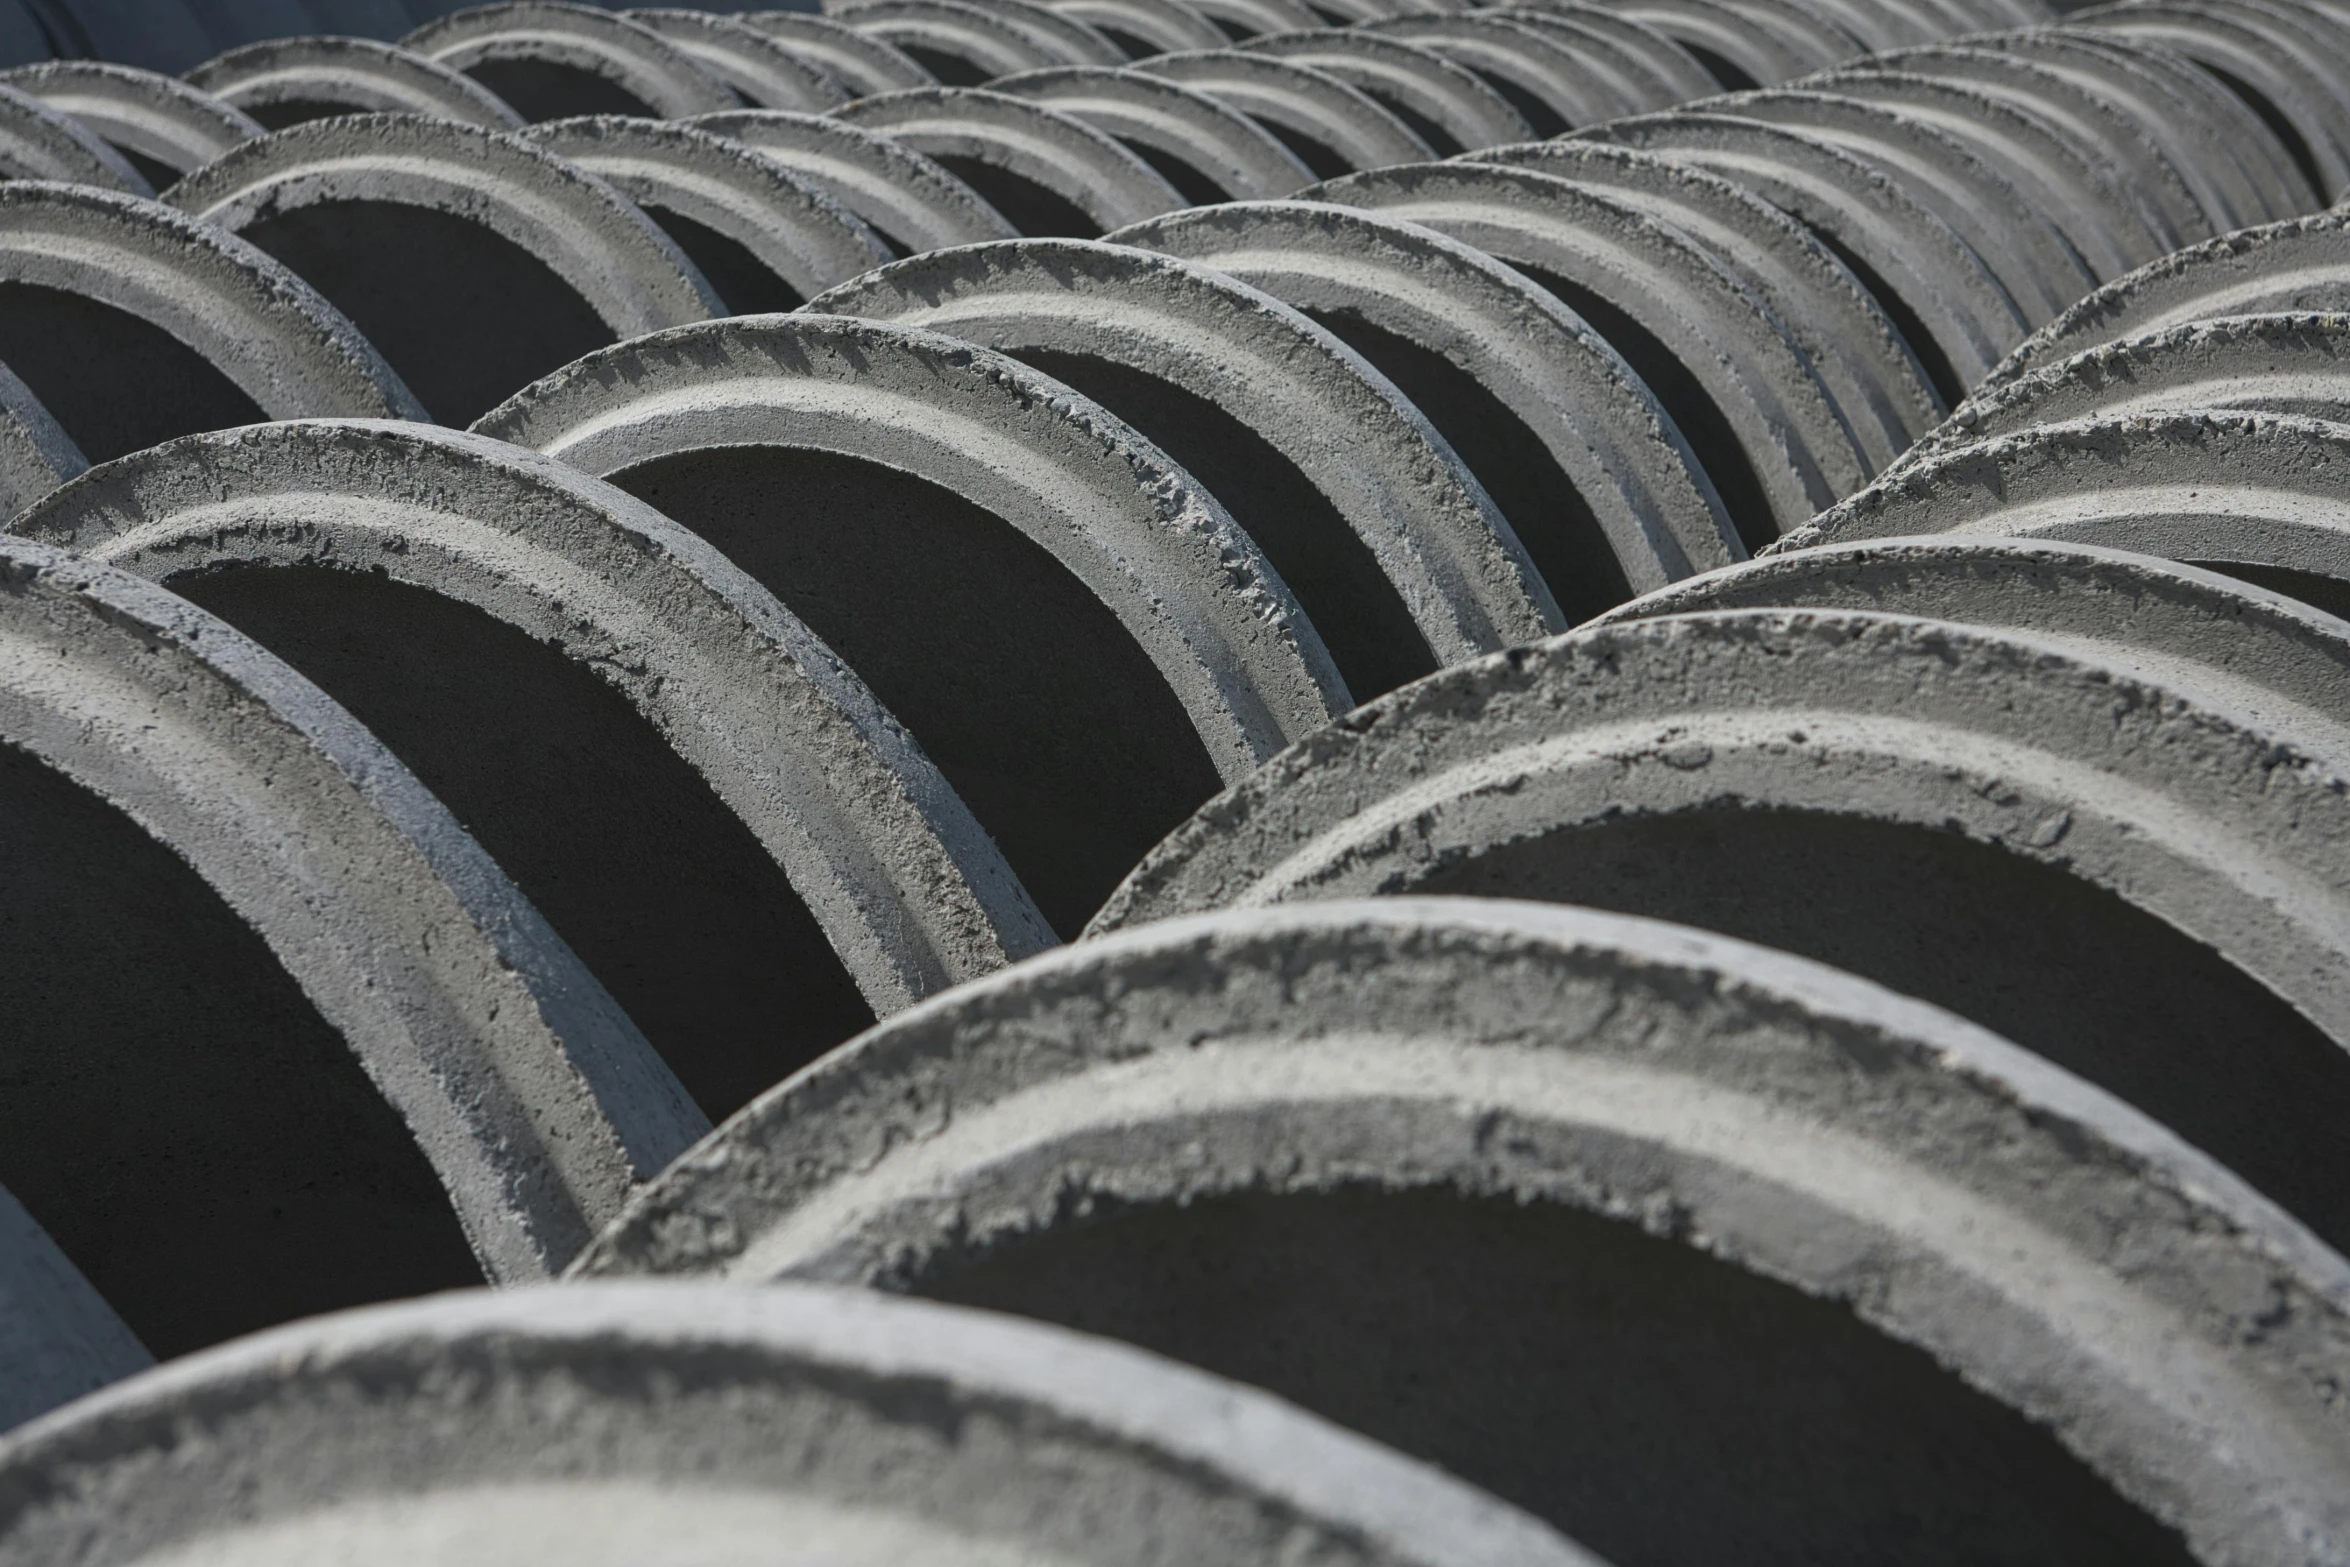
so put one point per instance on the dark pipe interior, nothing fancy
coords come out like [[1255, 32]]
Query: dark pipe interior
[[115, 383], [173, 1110], [1035, 210], [549, 90], [747, 285]]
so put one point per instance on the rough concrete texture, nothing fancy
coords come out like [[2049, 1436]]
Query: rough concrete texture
[[1853, 346], [1207, 151], [41, 143], [36, 455], [2299, 265], [474, 260], [860, 62], [1545, 78], [134, 323], [1075, 631], [2254, 495], [2289, 364], [764, 72], [161, 125], [965, 44], [534, 1100], [1677, 1151], [2008, 224], [1334, 129], [551, 60], [1317, 454], [1591, 473], [764, 238], [2275, 53], [904, 890], [1143, 28], [1734, 44], [1952, 309], [910, 202], [621, 1423], [1451, 107], [1645, 56], [1772, 437], [2113, 867], [1049, 173], [284, 81], [58, 1337], [1244, 19]]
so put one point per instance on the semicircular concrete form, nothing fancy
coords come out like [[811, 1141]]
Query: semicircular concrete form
[[1068, 624], [36, 455], [38, 142], [284, 81], [1394, 550], [551, 60], [862, 63], [1049, 173], [1692, 1248], [599, 1426], [764, 239], [1205, 150], [1595, 479], [1334, 129], [910, 202], [162, 125], [2302, 264], [1448, 106], [1144, 28], [2106, 861], [720, 820], [763, 71], [474, 260], [965, 44], [134, 323], [302, 1043]]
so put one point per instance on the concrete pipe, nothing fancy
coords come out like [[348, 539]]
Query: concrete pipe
[[717, 818], [1738, 49], [36, 455], [1448, 106], [285, 81], [551, 60], [1545, 78], [764, 71], [1143, 28], [1241, 20], [1206, 150], [1642, 68], [1047, 172], [1695, 1250], [964, 44], [620, 1423], [1334, 129], [1770, 433], [299, 1044], [41, 143], [862, 63], [2104, 862], [1394, 550], [162, 126], [1591, 474], [133, 323], [762, 237], [911, 203], [474, 260], [1073, 630]]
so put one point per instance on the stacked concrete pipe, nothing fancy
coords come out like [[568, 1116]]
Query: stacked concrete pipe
[[1578, 776]]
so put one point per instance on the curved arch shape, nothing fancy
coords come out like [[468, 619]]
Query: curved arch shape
[[1858, 353], [1642, 511], [1392, 1077], [2302, 264], [550, 60], [1144, 28], [1733, 45], [1208, 152], [1545, 79], [1241, 20], [111, 290], [1951, 307], [161, 124], [40, 143], [1384, 536], [737, 206], [764, 72], [284, 81], [1333, 128], [2254, 495], [899, 881], [862, 63], [36, 455], [911, 203], [966, 45], [1448, 106], [473, 259], [1645, 69], [1775, 443], [1047, 172], [846, 1422], [536, 1101], [1069, 554]]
